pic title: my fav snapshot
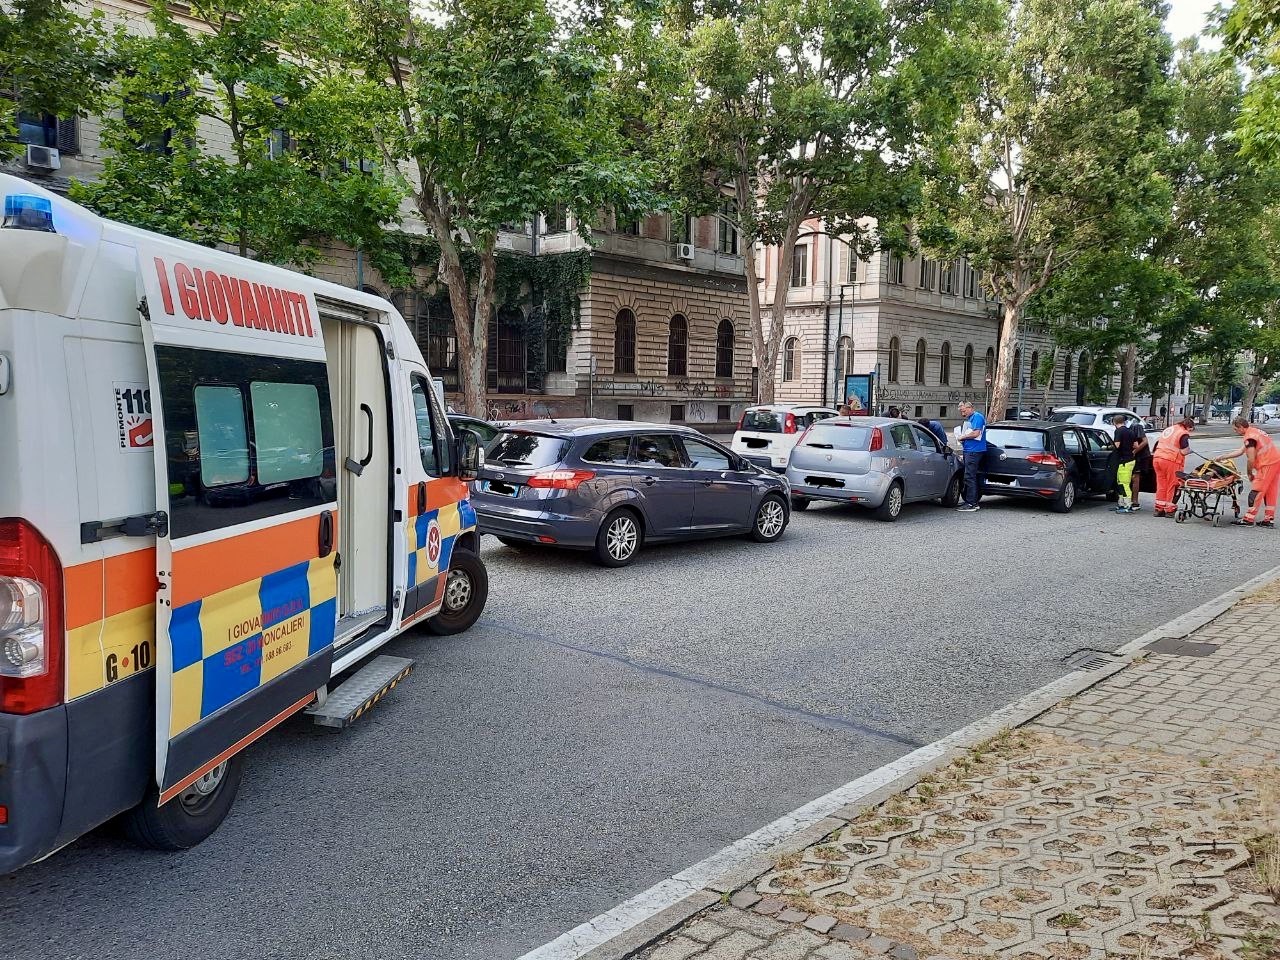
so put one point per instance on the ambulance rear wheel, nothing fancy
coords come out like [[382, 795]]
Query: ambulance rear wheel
[[191, 816], [466, 588]]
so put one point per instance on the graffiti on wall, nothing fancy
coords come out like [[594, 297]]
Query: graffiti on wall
[[682, 388]]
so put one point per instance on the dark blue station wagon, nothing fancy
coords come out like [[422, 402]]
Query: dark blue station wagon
[[611, 486]]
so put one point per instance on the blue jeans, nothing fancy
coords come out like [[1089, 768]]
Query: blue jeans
[[971, 461]]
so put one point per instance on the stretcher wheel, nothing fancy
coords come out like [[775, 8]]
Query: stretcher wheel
[[1180, 516], [1217, 519]]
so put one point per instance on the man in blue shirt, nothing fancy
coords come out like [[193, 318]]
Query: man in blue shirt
[[973, 439]]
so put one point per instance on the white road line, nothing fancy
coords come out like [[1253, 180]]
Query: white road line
[[598, 931]]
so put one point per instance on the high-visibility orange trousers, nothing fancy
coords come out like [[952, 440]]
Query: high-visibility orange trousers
[[1167, 483], [1266, 489]]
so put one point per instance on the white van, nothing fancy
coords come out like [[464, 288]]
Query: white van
[[222, 484]]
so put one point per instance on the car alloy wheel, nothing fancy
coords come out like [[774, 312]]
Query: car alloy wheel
[[771, 518], [457, 591], [1069, 496], [622, 538], [895, 500]]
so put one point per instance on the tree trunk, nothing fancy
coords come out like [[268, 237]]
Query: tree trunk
[[755, 315], [1048, 383], [1001, 383], [1128, 374], [1250, 393], [778, 317]]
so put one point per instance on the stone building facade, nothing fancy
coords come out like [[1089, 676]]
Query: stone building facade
[[661, 331], [924, 328]]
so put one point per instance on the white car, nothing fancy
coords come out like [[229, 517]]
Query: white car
[[1099, 417], [1263, 411], [767, 433]]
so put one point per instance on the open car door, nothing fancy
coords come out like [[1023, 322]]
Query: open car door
[[246, 496]]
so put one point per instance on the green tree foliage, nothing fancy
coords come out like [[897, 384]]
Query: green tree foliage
[[236, 126], [52, 60], [497, 110], [1058, 155], [805, 109], [1251, 30]]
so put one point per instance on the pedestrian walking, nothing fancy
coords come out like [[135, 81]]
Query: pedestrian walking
[[936, 428], [1262, 457], [1169, 457], [845, 410], [895, 412], [1128, 442], [973, 441]]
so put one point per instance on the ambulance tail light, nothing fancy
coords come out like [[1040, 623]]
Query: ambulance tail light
[[31, 639]]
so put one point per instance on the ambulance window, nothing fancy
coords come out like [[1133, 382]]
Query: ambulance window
[[425, 415], [286, 431], [224, 442]]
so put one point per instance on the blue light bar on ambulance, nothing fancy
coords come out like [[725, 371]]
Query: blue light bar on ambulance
[[26, 212]]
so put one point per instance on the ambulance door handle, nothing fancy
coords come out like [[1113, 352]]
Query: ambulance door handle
[[326, 533], [422, 499], [368, 412]]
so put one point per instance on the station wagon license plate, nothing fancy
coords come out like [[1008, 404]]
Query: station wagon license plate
[[499, 488]]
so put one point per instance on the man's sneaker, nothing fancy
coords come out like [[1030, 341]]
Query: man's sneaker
[[1136, 508], [1266, 523], [1242, 522], [1120, 510], [967, 508]]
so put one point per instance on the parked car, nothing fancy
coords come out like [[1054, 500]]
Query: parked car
[[614, 486], [483, 429], [1097, 417], [877, 462], [1045, 460], [766, 433]]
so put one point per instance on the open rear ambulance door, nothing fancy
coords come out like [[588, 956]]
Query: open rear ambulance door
[[246, 498]]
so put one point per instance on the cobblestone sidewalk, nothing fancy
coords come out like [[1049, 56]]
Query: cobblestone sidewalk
[[1139, 819]]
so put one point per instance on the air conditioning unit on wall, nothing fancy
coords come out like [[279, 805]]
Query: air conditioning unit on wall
[[43, 158], [684, 251]]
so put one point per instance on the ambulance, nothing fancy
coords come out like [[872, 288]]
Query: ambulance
[[223, 487]]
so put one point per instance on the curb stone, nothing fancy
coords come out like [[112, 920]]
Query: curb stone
[[713, 880]]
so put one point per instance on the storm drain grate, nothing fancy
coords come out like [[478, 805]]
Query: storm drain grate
[[1179, 647], [1087, 659]]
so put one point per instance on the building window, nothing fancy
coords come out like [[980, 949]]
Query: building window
[[851, 269], [928, 273], [728, 233], [505, 359], [922, 353], [844, 364], [949, 277], [968, 365], [790, 359], [970, 282], [800, 265], [1066, 372], [896, 268], [678, 347], [724, 348], [895, 355], [724, 412], [628, 226], [1017, 367], [944, 365], [990, 364], [626, 411], [436, 335], [624, 342], [942, 413], [557, 219], [755, 384], [677, 413]]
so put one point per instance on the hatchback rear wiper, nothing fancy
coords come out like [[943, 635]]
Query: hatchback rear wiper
[[821, 446], [515, 463]]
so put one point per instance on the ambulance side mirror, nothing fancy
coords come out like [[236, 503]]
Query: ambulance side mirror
[[468, 455]]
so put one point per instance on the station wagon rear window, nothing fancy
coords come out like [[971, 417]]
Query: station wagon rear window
[[835, 436], [1016, 439], [518, 448]]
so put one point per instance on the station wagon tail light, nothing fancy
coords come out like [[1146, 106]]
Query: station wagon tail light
[[877, 439], [1045, 460], [789, 423], [30, 620], [560, 479]]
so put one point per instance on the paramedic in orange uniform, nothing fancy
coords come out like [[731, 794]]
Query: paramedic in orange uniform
[[1169, 457], [1263, 457]]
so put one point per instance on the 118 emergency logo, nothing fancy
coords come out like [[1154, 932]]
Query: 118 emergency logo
[[133, 416]]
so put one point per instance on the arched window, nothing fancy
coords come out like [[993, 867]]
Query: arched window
[[1032, 373], [944, 364], [1017, 367], [505, 360], [724, 348], [624, 342], [790, 359], [678, 347], [922, 351], [438, 337], [990, 364], [968, 365], [1082, 369], [1066, 372], [844, 364], [895, 352]]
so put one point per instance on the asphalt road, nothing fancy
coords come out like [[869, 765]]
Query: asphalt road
[[600, 730]]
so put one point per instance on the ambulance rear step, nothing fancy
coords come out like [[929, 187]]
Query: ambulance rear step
[[357, 694]]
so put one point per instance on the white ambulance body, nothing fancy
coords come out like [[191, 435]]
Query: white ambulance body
[[221, 484]]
